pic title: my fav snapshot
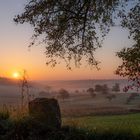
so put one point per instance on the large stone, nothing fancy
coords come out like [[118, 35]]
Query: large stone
[[46, 110]]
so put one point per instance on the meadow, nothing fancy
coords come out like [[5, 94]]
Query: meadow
[[117, 127], [118, 123], [85, 105]]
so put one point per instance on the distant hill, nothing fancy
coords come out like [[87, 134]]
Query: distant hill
[[8, 81], [13, 82]]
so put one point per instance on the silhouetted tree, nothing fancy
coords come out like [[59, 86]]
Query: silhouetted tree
[[130, 67], [73, 29], [91, 92], [116, 87], [70, 28], [102, 89], [64, 94], [105, 89], [77, 91], [98, 88]]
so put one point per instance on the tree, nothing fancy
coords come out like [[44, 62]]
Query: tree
[[98, 88], [102, 89], [91, 92], [70, 29], [105, 89], [74, 29], [64, 94], [116, 87], [130, 66]]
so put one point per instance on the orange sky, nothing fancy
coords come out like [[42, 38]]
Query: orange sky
[[15, 55]]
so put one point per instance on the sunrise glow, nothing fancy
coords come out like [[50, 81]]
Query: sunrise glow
[[16, 75], [16, 55]]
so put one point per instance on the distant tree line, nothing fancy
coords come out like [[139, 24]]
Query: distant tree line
[[104, 90]]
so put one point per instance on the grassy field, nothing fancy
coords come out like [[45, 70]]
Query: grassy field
[[85, 105], [129, 122], [117, 127], [84, 118]]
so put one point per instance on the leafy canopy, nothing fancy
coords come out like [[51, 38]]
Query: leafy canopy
[[74, 29], [130, 66], [70, 29]]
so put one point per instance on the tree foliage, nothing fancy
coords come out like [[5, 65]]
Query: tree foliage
[[64, 94], [70, 29], [74, 29], [116, 87], [91, 92], [104, 89], [130, 66], [98, 88]]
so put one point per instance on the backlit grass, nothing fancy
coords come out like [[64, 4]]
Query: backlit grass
[[129, 122]]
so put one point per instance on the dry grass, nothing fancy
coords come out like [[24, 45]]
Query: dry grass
[[85, 105]]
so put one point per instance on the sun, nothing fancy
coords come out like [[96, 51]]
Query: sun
[[16, 75]]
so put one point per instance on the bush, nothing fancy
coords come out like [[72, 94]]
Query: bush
[[6, 126], [4, 115]]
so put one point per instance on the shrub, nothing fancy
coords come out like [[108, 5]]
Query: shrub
[[6, 126]]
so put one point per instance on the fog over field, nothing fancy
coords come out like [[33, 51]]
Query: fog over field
[[79, 99], [73, 85]]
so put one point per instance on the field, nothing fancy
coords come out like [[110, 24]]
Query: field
[[84, 117], [117, 127], [78, 104], [129, 123], [85, 105]]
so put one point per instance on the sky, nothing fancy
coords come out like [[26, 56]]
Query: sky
[[16, 56]]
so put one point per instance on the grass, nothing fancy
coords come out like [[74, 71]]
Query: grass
[[19, 126], [129, 123], [82, 128]]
